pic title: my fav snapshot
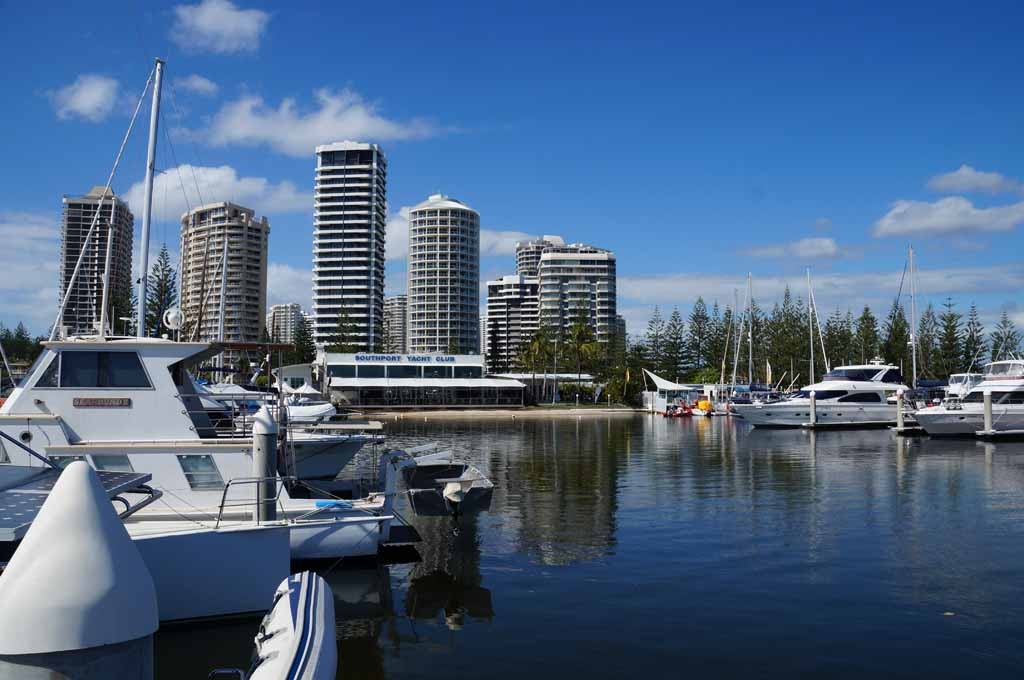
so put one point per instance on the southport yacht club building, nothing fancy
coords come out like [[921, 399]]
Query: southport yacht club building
[[415, 381]]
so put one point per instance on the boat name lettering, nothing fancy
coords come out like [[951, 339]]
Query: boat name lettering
[[102, 402]]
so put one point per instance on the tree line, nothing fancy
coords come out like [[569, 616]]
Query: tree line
[[707, 345]]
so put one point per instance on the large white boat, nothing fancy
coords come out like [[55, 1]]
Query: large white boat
[[857, 395], [130, 405], [966, 416]]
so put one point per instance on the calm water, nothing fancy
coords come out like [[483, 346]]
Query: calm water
[[645, 547]]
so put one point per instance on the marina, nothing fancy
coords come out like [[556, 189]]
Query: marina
[[670, 547], [305, 424]]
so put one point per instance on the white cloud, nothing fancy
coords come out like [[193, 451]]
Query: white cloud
[[287, 284], [339, 115], [639, 294], [947, 216], [31, 271], [216, 184], [91, 97], [494, 242], [805, 248], [218, 26], [197, 84], [966, 179], [396, 246]]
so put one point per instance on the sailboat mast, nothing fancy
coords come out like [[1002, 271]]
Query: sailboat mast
[[913, 318], [810, 321], [147, 205], [750, 328], [223, 299]]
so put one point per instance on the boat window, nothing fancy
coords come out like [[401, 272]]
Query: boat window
[[820, 395], [892, 376], [49, 376], [1011, 398], [468, 372], [201, 472], [112, 463], [862, 398], [851, 374], [102, 369], [63, 461]]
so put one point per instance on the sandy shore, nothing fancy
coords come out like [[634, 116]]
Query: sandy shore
[[530, 412]]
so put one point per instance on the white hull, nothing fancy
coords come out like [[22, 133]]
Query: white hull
[[319, 457], [227, 571], [797, 413], [951, 422]]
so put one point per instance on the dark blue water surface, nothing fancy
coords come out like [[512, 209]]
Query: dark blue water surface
[[636, 546]]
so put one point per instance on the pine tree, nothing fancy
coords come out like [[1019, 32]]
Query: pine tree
[[974, 344], [950, 353], [654, 340], [697, 335], [866, 338], [673, 357], [341, 342], [1005, 339], [305, 349], [896, 348], [928, 342], [161, 291], [839, 341], [718, 331]]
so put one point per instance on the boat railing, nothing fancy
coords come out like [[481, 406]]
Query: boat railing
[[277, 498], [238, 416]]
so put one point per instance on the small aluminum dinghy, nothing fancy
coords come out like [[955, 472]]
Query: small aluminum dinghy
[[296, 640], [440, 485]]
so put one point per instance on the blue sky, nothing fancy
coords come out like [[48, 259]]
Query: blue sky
[[699, 142]]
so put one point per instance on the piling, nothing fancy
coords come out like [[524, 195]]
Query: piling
[[264, 464], [899, 410], [814, 409], [987, 396]]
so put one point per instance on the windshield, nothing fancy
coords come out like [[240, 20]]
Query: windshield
[[45, 355], [852, 374], [821, 395], [1005, 369]]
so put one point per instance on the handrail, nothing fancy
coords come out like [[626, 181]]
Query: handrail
[[152, 495], [46, 461], [249, 480]]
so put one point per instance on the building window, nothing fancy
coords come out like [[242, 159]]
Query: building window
[[112, 463], [341, 371], [437, 371], [468, 372], [201, 472], [371, 371], [403, 371]]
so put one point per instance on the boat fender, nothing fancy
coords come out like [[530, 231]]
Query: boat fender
[[333, 504]]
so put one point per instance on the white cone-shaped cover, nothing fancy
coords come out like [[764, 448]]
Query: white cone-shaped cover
[[77, 580]]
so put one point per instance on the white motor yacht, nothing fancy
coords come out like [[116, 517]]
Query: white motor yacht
[[1005, 381], [857, 395], [960, 384], [130, 405]]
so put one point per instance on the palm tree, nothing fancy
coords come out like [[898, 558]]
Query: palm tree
[[535, 352], [582, 346]]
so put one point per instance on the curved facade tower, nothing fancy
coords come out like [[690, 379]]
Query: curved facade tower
[[444, 277]]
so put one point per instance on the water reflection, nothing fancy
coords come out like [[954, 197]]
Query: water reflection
[[667, 547]]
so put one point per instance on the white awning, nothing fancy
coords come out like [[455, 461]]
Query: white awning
[[663, 384], [423, 382]]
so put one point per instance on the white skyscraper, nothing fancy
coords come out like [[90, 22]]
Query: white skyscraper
[[350, 214], [578, 280], [395, 311], [204, 231], [511, 319], [528, 253], [444, 277], [82, 314], [283, 321]]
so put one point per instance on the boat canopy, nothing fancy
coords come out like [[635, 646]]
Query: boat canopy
[[670, 386]]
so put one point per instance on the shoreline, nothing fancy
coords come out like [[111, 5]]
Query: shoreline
[[528, 412]]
